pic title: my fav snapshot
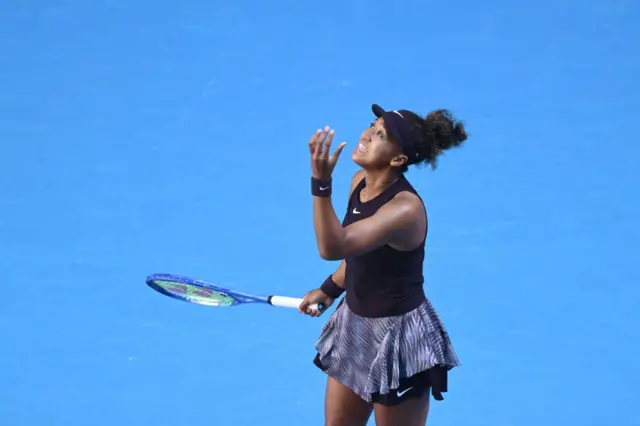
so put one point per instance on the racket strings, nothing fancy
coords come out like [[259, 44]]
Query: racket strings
[[192, 291]]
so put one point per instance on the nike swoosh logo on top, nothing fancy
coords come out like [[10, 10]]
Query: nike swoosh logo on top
[[404, 391], [355, 211]]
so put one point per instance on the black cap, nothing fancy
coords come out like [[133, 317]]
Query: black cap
[[399, 123]]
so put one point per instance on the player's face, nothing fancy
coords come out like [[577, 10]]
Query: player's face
[[376, 149]]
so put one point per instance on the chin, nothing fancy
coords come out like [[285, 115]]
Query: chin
[[359, 158]]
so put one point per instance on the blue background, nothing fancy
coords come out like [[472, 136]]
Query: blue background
[[142, 137]]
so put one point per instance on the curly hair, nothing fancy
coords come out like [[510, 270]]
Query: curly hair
[[436, 133]]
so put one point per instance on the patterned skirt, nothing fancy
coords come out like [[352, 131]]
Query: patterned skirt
[[371, 356]]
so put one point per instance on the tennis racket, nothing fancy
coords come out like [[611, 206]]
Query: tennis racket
[[204, 293]]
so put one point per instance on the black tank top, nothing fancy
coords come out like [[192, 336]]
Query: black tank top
[[382, 282]]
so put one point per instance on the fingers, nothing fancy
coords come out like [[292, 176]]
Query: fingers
[[305, 308], [319, 143], [313, 142], [327, 145], [321, 140], [336, 154], [313, 312], [304, 305], [322, 161], [310, 307], [321, 136]]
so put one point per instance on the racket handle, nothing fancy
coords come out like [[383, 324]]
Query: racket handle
[[292, 302]]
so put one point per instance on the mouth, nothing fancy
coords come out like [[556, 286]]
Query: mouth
[[362, 148]]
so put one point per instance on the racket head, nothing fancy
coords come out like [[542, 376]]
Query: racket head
[[197, 291]]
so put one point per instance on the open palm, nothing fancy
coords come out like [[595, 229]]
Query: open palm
[[322, 164]]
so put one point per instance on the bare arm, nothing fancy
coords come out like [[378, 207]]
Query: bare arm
[[323, 212], [339, 275], [394, 221]]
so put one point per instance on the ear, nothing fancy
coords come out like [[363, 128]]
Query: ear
[[399, 160]]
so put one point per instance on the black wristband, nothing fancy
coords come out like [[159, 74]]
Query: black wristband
[[330, 288], [320, 188]]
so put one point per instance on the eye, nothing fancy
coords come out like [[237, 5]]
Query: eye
[[378, 132]]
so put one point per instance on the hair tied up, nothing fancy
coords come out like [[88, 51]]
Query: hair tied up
[[459, 132]]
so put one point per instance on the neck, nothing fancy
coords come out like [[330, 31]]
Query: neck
[[379, 180]]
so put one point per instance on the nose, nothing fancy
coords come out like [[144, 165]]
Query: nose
[[367, 134]]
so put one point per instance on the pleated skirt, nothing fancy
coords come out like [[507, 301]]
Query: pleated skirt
[[371, 356]]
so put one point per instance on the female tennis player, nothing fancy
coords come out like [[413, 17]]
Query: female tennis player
[[384, 349]]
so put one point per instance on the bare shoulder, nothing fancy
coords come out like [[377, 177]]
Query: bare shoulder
[[406, 204], [408, 214]]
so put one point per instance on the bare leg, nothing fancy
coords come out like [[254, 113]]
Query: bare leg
[[412, 412], [342, 407]]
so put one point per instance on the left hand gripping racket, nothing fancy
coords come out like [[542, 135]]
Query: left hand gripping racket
[[204, 293]]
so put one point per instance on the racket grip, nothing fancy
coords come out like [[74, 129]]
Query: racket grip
[[292, 302]]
